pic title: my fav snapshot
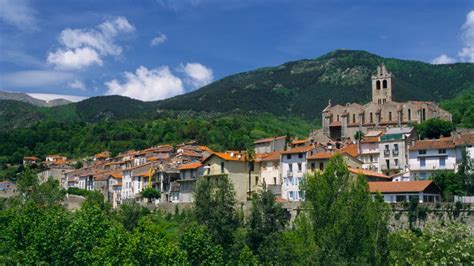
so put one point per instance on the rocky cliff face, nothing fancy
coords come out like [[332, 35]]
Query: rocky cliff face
[[22, 97]]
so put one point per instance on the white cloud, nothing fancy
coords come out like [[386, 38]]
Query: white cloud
[[158, 40], [147, 84], [93, 44], [467, 52], [443, 59], [198, 75], [74, 58], [50, 96], [18, 13], [34, 78], [77, 84]]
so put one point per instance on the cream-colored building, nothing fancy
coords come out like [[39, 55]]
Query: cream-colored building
[[343, 121], [244, 176]]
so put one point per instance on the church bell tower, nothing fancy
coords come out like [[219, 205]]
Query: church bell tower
[[382, 85]]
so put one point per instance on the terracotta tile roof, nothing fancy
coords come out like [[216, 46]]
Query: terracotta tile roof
[[204, 148], [280, 200], [445, 143], [274, 156], [301, 141], [119, 184], [116, 175], [152, 159], [370, 140], [351, 149], [465, 139], [265, 140], [321, 155], [190, 153], [227, 157], [102, 155], [399, 187], [367, 173], [190, 166], [31, 158], [299, 149]]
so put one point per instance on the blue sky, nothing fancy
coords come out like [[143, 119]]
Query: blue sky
[[152, 50]]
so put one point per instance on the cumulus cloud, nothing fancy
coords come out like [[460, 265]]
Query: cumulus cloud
[[19, 14], [35, 78], [74, 58], [86, 47], [77, 84], [197, 74], [147, 84], [443, 59], [467, 52], [158, 40]]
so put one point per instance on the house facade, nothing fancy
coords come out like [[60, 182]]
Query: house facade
[[393, 147], [424, 191], [428, 156], [269, 145]]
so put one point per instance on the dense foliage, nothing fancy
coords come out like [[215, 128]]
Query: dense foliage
[[462, 108], [350, 229], [434, 129], [73, 139]]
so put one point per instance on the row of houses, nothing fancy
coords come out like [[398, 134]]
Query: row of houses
[[394, 162]]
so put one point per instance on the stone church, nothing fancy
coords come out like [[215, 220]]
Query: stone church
[[343, 121]]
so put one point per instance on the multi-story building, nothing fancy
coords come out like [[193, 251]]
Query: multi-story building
[[189, 173], [393, 147], [369, 152], [270, 172], [427, 156], [293, 170]]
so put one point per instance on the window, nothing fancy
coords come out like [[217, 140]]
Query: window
[[300, 155], [299, 167], [384, 84], [442, 162], [274, 180], [371, 158], [442, 151], [388, 164], [384, 100], [409, 114], [401, 198], [422, 152], [353, 118], [256, 180], [422, 162], [395, 146], [222, 167], [389, 116], [337, 118], [377, 84], [371, 118], [396, 162], [379, 101], [290, 167], [423, 114], [313, 166], [292, 194], [414, 197], [288, 156]]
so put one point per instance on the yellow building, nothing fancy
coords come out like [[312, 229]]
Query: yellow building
[[243, 174]]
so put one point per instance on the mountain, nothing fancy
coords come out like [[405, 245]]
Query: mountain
[[23, 97], [303, 87]]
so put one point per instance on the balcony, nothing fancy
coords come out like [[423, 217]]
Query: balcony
[[386, 153], [391, 166], [395, 152], [289, 173]]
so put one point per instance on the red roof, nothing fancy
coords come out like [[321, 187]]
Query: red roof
[[227, 156], [265, 140], [190, 166], [367, 173], [398, 187], [301, 141], [299, 149], [30, 158], [116, 175], [465, 139], [444, 143], [351, 149], [321, 155], [273, 156]]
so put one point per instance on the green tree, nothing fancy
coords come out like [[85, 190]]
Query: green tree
[[266, 218], [434, 128], [450, 184], [129, 214], [348, 225], [214, 207], [150, 194], [199, 246]]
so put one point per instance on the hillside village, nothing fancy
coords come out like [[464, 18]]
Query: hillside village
[[390, 155]]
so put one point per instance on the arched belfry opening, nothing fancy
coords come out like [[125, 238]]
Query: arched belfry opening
[[378, 84], [382, 85]]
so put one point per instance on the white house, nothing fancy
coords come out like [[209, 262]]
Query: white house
[[269, 145], [369, 151], [189, 173], [270, 172], [392, 192], [293, 169], [393, 147], [428, 156]]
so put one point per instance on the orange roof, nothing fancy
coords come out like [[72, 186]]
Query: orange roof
[[190, 166], [280, 200], [151, 159], [227, 157], [321, 155], [265, 140], [204, 148], [116, 175], [351, 149], [402, 186], [301, 141], [31, 158], [370, 139], [102, 155], [299, 149], [273, 156], [446, 143], [367, 173]]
